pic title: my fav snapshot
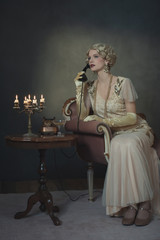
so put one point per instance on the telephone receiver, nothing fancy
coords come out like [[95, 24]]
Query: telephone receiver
[[84, 77], [86, 67]]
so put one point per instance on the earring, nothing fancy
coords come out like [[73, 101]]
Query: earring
[[106, 68]]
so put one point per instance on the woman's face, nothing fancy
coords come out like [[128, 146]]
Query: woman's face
[[95, 61]]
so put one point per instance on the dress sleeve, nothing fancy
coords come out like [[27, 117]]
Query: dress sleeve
[[128, 91]]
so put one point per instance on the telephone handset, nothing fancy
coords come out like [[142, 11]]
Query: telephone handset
[[86, 67], [84, 77]]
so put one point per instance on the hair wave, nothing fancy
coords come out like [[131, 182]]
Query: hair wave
[[105, 51]]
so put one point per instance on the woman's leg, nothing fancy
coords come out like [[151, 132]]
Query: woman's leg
[[130, 177]]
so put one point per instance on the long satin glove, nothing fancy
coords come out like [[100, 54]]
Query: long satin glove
[[80, 98], [124, 121], [79, 79]]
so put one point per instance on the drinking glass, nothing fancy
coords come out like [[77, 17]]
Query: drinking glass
[[60, 124]]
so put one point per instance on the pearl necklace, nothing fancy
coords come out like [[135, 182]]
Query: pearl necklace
[[108, 92]]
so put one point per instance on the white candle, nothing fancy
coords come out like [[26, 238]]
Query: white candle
[[42, 99], [16, 100], [34, 100], [25, 100], [29, 99]]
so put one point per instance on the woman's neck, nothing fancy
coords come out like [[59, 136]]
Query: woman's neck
[[104, 77]]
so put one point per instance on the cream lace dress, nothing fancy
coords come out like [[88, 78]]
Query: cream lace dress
[[132, 175]]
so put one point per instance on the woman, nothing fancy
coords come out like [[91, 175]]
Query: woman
[[131, 187]]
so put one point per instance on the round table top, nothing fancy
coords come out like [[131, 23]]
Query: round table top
[[41, 141]]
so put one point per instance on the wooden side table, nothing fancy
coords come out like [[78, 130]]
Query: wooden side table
[[41, 143]]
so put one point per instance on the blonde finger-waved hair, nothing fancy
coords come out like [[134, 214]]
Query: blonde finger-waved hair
[[105, 51]]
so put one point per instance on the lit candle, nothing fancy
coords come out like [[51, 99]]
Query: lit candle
[[29, 99], [16, 103], [42, 99], [16, 100], [25, 100], [34, 100]]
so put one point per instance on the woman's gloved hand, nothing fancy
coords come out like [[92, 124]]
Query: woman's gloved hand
[[81, 77], [93, 118], [81, 94]]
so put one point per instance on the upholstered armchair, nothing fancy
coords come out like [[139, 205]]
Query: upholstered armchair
[[93, 140]]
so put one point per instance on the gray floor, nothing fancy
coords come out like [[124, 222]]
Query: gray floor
[[80, 220]]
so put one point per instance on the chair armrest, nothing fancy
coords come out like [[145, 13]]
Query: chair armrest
[[69, 109], [90, 134], [92, 127], [79, 126]]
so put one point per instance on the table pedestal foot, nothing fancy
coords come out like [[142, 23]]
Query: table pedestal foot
[[55, 220], [45, 198], [33, 199]]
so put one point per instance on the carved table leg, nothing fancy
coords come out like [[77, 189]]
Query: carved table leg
[[45, 197], [33, 199], [42, 195]]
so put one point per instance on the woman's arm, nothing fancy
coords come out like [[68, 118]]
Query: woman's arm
[[130, 106], [129, 119]]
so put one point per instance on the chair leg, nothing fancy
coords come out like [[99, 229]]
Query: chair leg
[[90, 174]]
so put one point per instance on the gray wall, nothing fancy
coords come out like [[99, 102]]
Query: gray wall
[[43, 45]]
